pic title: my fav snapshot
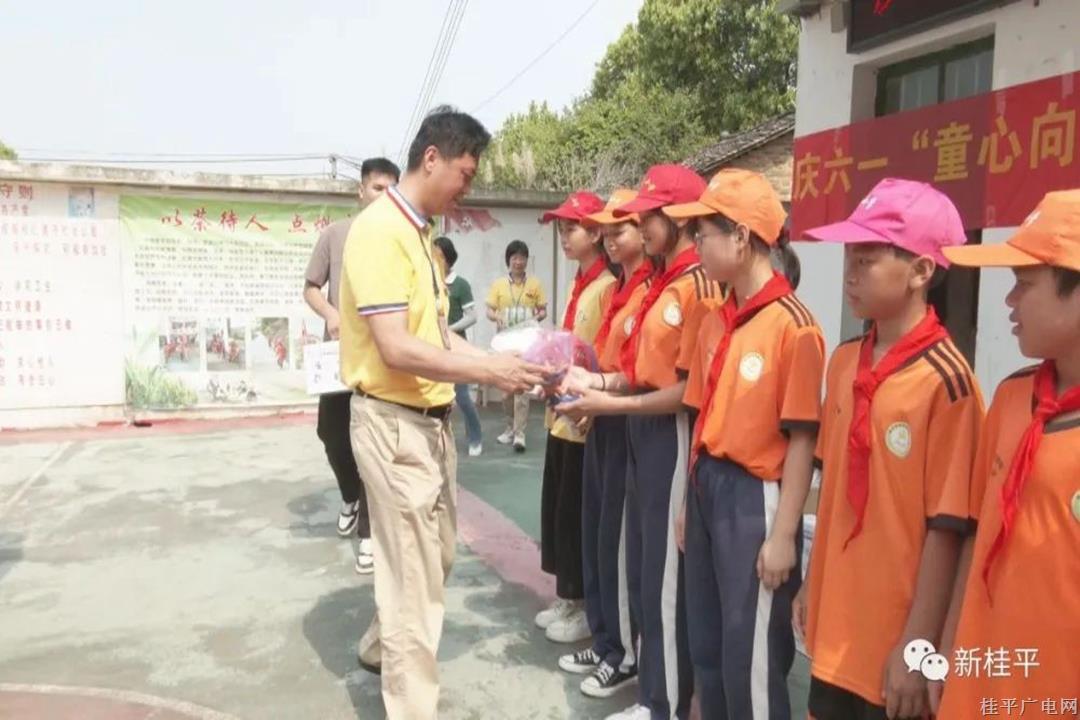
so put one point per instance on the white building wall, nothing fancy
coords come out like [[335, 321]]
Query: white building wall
[[481, 261], [1032, 41]]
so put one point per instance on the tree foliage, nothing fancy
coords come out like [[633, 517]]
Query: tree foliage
[[7, 153], [686, 72]]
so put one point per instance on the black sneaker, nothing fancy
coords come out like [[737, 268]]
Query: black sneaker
[[607, 681], [582, 662]]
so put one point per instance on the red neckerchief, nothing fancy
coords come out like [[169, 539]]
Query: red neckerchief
[[581, 281], [619, 300], [1047, 406], [628, 353], [733, 317], [868, 378]]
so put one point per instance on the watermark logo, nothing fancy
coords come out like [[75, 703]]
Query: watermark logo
[[922, 657]]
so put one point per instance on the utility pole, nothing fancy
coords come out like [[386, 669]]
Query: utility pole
[[333, 166]]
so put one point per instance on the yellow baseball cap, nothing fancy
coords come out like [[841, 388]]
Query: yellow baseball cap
[[620, 197]]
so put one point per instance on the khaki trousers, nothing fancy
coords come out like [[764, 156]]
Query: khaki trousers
[[516, 408], [409, 466]]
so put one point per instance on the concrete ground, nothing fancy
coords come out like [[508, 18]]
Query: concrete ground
[[193, 571]]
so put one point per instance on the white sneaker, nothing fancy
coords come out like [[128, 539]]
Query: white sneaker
[[519, 442], [506, 438], [365, 557], [634, 712], [571, 629], [476, 450], [556, 611], [347, 518]]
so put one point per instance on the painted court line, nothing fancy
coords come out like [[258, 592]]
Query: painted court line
[[502, 545], [21, 490], [124, 696]]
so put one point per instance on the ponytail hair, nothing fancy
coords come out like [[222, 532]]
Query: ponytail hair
[[785, 260], [781, 255]]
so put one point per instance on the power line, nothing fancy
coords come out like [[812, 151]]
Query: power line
[[538, 58], [441, 67], [455, 11], [450, 7]]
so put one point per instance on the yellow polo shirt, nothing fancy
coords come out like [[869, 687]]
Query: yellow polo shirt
[[387, 268], [516, 301], [590, 315]]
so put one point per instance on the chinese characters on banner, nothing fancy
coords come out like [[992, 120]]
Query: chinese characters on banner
[[213, 295], [995, 155], [60, 305]]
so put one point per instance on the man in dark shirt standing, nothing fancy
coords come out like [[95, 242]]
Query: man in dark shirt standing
[[324, 269]]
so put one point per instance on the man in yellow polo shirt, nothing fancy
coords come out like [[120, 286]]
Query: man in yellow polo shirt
[[402, 362]]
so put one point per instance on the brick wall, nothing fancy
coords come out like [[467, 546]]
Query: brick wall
[[773, 160]]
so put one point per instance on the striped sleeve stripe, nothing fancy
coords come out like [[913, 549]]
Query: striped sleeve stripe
[[963, 372], [705, 288], [810, 319], [800, 319], [955, 367], [384, 308], [938, 364]]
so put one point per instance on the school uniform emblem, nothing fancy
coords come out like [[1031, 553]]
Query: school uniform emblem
[[1076, 506], [898, 439], [673, 315], [751, 366], [628, 326]]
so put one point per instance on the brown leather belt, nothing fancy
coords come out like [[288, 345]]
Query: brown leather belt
[[439, 412]]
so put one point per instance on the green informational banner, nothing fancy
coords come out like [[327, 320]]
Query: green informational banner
[[213, 300]]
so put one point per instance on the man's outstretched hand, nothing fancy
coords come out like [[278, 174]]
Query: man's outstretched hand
[[510, 373]]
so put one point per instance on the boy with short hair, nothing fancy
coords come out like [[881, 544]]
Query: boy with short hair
[[1025, 559], [900, 423]]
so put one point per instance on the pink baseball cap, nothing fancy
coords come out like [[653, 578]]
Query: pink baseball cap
[[910, 215]]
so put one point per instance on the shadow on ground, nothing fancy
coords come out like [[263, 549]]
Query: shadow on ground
[[332, 627], [11, 552]]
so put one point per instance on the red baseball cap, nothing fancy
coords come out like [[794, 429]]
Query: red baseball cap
[[577, 207], [912, 216], [664, 185]]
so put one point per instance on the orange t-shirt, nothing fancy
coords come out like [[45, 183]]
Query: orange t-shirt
[[925, 420], [1033, 602], [621, 326], [770, 384], [667, 335]]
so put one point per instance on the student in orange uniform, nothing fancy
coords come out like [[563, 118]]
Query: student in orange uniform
[[649, 388], [901, 418], [1021, 594], [560, 506], [756, 379], [610, 660]]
